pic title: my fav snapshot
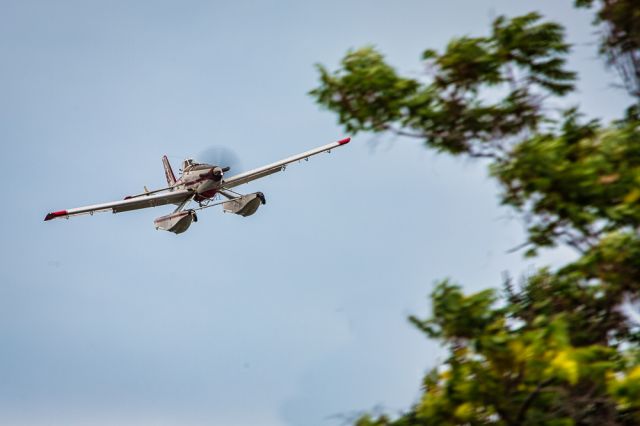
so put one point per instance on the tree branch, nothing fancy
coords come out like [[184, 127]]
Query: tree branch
[[529, 400]]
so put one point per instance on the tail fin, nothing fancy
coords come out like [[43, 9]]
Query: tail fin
[[168, 172]]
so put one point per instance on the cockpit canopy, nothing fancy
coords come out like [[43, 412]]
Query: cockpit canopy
[[190, 164]]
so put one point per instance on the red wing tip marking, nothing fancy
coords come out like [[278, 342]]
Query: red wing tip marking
[[55, 214], [344, 141]]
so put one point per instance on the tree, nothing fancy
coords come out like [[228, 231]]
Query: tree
[[620, 38], [557, 347]]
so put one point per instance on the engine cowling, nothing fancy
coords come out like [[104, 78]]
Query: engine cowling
[[245, 205], [177, 222]]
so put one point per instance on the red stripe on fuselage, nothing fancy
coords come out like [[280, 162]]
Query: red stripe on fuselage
[[192, 182]]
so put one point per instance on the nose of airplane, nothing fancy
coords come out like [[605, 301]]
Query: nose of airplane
[[217, 173]]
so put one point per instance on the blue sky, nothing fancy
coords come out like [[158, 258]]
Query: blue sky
[[294, 316]]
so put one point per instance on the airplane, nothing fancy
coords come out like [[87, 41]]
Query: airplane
[[200, 183]]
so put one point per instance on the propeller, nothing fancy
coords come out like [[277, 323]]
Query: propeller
[[220, 156]]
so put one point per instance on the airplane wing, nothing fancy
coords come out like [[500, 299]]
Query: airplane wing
[[269, 169], [129, 203]]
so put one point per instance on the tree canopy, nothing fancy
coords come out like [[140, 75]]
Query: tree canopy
[[556, 347]]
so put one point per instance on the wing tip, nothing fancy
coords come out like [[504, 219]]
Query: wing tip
[[344, 141], [53, 215]]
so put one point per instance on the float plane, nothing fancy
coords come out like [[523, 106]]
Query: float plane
[[200, 183]]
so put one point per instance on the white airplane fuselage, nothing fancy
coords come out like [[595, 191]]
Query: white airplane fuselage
[[203, 179]]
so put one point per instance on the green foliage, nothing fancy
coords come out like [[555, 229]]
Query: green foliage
[[522, 60], [558, 348], [369, 95], [514, 371], [572, 181], [575, 184], [534, 361], [457, 315]]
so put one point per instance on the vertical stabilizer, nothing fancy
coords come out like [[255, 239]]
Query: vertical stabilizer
[[168, 172]]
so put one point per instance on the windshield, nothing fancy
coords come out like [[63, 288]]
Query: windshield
[[190, 165]]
